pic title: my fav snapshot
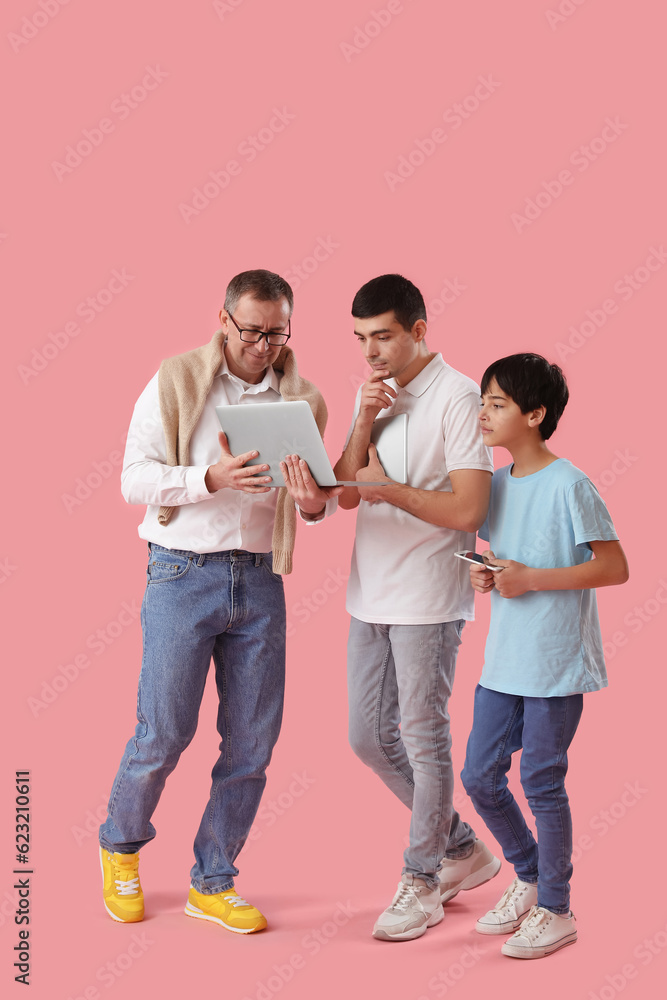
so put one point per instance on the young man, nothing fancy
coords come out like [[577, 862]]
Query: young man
[[544, 648], [218, 538], [408, 596]]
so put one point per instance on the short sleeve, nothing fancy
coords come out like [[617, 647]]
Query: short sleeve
[[464, 445], [590, 518]]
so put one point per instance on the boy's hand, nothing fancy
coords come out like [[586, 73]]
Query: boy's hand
[[483, 580], [514, 580]]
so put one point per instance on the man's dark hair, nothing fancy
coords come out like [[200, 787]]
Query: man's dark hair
[[265, 286], [390, 291], [531, 381]]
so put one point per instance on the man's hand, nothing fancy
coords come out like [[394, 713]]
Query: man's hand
[[372, 473], [375, 395], [231, 472], [483, 580], [307, 495]]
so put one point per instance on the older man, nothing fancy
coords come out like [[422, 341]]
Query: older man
[[218, 540]]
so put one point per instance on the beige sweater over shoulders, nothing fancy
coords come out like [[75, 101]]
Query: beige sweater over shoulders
[[184, 383]]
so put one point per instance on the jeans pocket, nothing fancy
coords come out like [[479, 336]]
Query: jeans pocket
[[164, 566], [267, 566]]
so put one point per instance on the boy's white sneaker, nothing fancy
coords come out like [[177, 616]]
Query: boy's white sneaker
[[467, 873], [413, 909], [541, 933], [510, 910]]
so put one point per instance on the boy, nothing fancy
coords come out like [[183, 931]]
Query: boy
[[544, 648]]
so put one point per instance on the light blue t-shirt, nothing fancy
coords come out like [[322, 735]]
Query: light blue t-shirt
[[547, 643]]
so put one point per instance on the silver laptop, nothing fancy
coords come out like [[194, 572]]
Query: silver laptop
[[276, 430]]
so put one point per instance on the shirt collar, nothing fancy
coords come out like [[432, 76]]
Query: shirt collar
[[420, 383], [270, 380]]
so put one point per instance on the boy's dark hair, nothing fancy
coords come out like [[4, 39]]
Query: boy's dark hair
[[390, 291], [531, 381]]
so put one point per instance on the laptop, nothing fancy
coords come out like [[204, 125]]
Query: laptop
[[276, 430]]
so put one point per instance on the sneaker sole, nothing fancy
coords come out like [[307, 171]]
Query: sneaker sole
[[507, 928], [471, 881], [192, 911], [120, 920], [436, 917], [515, 951]]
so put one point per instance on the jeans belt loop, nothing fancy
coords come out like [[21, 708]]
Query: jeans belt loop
[[201, 560]]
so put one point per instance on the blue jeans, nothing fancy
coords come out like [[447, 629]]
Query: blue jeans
[[229, 606], [400, 678], [543, 729]]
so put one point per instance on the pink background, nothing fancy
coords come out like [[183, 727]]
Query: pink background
[[325, 854]]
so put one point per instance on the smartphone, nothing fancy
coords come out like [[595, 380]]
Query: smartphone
[[477, 560]]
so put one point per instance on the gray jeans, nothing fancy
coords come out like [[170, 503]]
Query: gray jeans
[[400, 678]]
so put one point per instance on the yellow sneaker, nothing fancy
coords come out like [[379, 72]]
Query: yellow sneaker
[[123, 898], [227, 909]]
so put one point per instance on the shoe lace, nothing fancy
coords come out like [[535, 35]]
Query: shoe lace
[[235, 900], [404, 898], [125, 886], [507, 896], [536, 915]]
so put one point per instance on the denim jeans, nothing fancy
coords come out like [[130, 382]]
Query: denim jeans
[[400, 678], [543, 729], [229, 606]]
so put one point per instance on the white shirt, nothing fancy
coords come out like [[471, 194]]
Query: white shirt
[[204, 522], [403, 569]]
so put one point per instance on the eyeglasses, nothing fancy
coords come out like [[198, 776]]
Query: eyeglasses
[[254, 336]]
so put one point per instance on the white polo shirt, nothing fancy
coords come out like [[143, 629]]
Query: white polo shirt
[[403, 569]]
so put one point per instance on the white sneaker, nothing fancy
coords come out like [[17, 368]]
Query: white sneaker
[[510, 910], [467, 873], [540, 934], [414, 908]]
